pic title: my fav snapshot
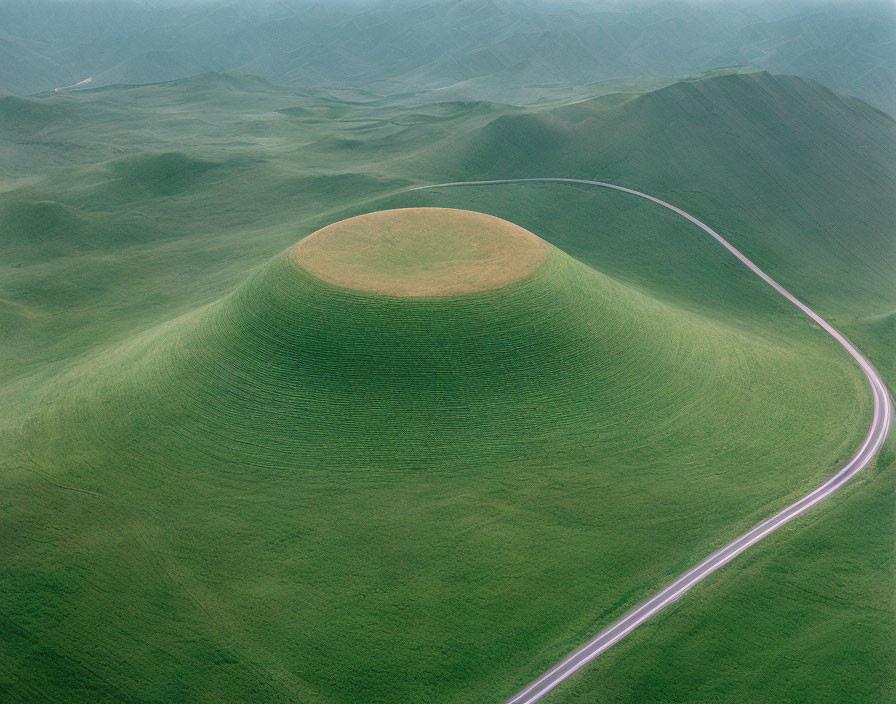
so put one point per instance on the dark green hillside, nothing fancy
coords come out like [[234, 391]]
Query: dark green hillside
[[44, 228], [796, 175], [26, 115], [165, 174]]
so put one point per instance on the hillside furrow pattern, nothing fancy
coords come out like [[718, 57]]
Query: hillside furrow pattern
[[867, 451]]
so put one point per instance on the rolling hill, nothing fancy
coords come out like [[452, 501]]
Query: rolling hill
[[797, 174], [445, 428], [226, 478]]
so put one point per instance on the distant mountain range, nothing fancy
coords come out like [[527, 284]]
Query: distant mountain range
[[485, 49]]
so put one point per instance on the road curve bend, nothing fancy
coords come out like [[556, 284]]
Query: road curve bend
[[874, 440]]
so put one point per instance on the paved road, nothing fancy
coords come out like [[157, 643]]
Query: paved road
[[880, 426]]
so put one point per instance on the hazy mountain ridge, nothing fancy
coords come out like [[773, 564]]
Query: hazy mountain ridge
[[412, 46]]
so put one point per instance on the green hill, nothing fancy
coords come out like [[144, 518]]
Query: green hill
[[343, 488], [415, 383], [224, 479], [25, 115], [792, 172]]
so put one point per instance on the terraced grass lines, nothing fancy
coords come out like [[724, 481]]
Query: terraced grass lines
[[300, 492], [307, 458]]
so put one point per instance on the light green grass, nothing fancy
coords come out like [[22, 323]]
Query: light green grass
[[401, 500], [805, 618], [479, 487]]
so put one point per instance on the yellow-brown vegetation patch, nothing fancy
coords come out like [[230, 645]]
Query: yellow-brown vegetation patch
[[421, 252]]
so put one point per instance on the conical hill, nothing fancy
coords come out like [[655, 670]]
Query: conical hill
[[541, 357]]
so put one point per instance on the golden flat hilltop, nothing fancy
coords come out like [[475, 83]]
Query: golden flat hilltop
[[421, 252]]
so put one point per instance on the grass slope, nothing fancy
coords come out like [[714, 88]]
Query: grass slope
[[296, 435], [796, 173], [806, 618], [206, 567]]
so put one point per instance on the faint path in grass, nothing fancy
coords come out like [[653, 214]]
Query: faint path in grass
[[19, 308], [877, 433]]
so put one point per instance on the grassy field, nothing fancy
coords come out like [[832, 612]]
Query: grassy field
[[806, 617], [227, 480], [430, 457]]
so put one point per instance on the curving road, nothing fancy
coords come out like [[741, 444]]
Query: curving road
[[877, 433]]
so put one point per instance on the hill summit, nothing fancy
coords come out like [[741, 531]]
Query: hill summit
[[297, 458], [409, 339], [421, 252]]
